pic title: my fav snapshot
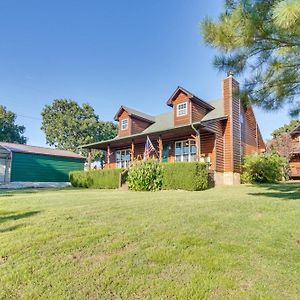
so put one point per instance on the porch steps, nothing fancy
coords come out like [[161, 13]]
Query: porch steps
[[124, 187]]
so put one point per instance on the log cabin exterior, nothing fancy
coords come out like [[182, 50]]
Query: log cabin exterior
[[295, 156], [218, 132]]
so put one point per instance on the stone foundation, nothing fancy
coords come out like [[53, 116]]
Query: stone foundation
[[227, 178]]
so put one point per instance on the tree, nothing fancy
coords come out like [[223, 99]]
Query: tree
[[282, 141], [282, 144], [262, 38], [68, 125], [286, 128], [9, 131]]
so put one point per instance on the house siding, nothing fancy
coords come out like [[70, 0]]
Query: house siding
[[43, 168], [198, 112], [182, 120], [126, 132], [138, 126]]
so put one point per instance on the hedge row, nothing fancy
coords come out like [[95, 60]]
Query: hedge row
[[98, 179], [147, 176], [191, 176]]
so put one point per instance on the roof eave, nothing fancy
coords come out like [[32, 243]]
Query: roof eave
[[89, 146]]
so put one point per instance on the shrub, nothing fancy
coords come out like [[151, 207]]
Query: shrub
[[264, 168], [145, 176], [99, 179], [191, 176]]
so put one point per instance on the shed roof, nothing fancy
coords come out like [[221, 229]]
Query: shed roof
[[12, 147]]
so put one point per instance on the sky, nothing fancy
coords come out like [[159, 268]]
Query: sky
[[107, 53]]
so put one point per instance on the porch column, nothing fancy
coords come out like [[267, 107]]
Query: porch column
[[132, 151], [198, 145], [108, 155], [89, 159], [160, 148]]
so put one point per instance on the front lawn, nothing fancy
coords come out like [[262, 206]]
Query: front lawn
[[230, 242]]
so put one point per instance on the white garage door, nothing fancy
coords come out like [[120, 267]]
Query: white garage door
[[2, 169]]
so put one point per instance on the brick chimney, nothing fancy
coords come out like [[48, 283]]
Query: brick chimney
[[232, 134]]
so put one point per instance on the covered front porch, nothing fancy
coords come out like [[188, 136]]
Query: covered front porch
[[176, 145]]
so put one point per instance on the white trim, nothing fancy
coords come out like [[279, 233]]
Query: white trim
[[122, 124], [180, 110], [182, 155], [123, 164]]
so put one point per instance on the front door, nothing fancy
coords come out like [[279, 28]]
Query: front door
[[165, 154]]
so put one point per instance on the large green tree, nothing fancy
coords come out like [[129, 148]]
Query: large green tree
[[260, 38], [286, 128], [9, 131], [68, 125]]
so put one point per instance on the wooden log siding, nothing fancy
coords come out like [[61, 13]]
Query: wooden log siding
[[232, 134], [138, 125], [182, 120], [198, 112], [250, 135], [126, 132], [295, 165], [217, 156]]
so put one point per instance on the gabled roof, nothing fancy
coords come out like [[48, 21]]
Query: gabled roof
[[296, 129], [191, 96], [135, 113], [11, 147], [165, 122]]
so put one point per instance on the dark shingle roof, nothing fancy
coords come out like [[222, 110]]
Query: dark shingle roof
[[135, 113], [38, 150]]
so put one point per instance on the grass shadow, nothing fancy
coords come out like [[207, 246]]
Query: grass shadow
[[12, 192], [10, 228], [286, 191], [14, 216]]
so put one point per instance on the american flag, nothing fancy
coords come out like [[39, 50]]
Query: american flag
[[148, 148]]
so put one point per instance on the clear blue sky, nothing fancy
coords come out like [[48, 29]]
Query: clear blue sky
[[106, 53]]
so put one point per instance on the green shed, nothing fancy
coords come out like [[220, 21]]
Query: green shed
[[24, 163]]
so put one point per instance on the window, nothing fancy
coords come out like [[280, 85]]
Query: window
[[182, 109], [123, 158], [241, 119], [185, 150], [124, 124]]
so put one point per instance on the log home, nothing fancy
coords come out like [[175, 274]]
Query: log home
[[218, 132], [295, 157]]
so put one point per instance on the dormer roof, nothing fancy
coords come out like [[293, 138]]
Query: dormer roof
[[135, 113], [191, 96]]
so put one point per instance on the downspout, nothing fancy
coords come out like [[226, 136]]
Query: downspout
[[197, 133]]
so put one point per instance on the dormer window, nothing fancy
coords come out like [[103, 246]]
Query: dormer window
[[181, 109], [124, 124]]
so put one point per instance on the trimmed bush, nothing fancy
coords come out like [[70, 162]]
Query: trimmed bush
[[145, 176], [98, 179], [264, 168], [191, 176]]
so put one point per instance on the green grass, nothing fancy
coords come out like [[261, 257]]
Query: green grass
[[238, 242]]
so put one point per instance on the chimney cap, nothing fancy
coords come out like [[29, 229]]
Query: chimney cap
[[229, 74]]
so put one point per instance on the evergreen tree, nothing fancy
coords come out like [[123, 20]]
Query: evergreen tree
[[260, 38]]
